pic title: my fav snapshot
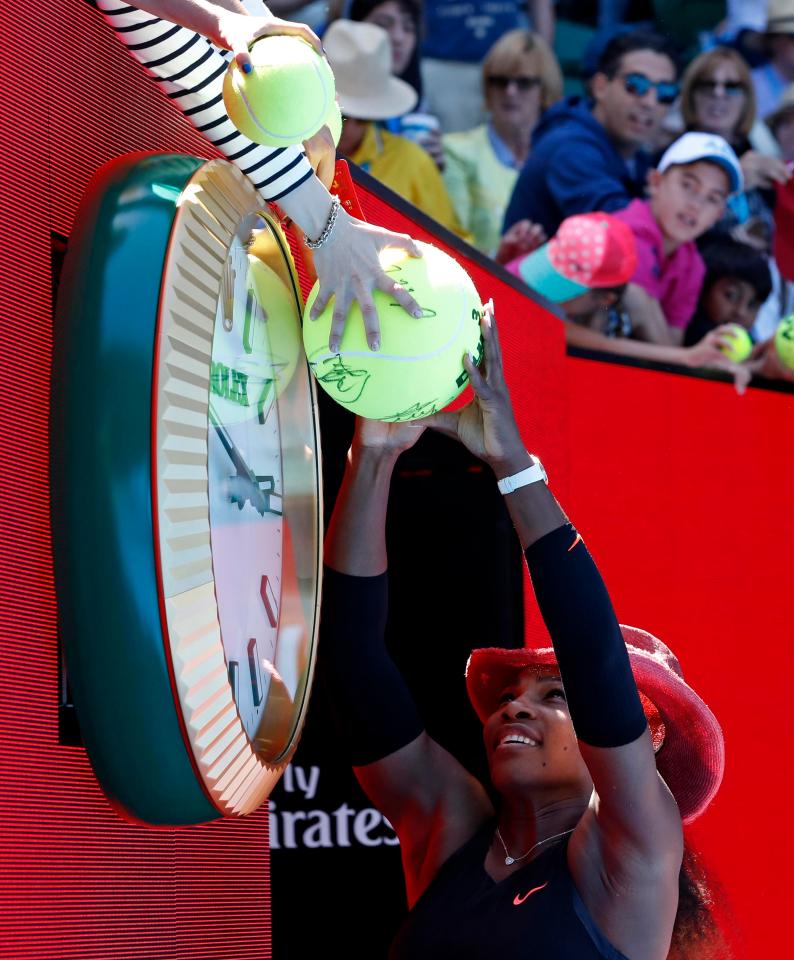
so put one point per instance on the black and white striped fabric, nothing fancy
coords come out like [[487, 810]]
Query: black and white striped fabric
[[190, 71]]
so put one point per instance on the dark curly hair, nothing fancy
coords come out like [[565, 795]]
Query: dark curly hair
[[701, 923], [726, 257]]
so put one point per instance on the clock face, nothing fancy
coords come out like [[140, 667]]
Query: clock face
[[245, 489]]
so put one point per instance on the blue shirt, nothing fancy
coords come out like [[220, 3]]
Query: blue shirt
[[465, 30], [574, 167]]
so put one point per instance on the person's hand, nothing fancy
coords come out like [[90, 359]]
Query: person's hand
[[237, 31], [523, 237], [754, 232], [486, 426], [762, 171], [708, 354], [390, 439], [321, 154], [765, 362], [348, 269]]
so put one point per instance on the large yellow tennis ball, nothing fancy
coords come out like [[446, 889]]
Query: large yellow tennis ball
[[286, 97], [334, 122], [280, 336], [741, 346], [784, 341], [419, 367]]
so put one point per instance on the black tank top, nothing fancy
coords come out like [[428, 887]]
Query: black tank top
[[536, 913]]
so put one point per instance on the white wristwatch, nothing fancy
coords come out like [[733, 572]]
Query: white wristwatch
[[531, 475]]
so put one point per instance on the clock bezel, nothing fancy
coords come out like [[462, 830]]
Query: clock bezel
[[101, 449], [234, 773]]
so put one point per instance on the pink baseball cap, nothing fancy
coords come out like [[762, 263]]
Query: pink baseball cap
[[589, 250]]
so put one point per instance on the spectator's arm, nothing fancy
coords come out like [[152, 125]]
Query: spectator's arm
[[226, 23], [647, 319], [541, 13], [706, 354]]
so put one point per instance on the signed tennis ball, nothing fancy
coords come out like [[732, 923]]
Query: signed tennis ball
[[286, 97], [334, 122], [784, 341], [419, 367], [741, 346]]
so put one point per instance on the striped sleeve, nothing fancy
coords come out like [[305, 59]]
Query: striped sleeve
[[190, 70]]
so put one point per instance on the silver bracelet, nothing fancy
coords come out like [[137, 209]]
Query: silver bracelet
[[314, 244]]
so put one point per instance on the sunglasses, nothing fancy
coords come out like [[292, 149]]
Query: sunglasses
[[523, 83], [638, 85], [732, 88]]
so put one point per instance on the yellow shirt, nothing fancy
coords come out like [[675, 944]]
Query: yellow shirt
[[404, 167]]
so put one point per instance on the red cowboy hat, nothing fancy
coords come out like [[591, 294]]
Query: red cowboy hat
[[690, 748]]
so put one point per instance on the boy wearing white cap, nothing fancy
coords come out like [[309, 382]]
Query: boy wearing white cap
[[688, 192]]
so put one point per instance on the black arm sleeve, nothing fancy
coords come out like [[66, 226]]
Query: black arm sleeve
[[372, 706], [594, 664]]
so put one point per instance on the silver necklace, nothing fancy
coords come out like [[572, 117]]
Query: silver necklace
[[509, 859]]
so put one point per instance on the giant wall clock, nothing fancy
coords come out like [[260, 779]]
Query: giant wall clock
[[186, 489]]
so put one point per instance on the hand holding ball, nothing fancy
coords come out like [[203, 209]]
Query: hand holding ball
[[286, 97], [419, 367], [784, 341], [740, 345]]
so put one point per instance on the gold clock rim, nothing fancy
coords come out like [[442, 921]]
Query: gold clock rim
[[211, 207]]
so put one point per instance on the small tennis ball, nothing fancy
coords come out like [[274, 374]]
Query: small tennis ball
[[784, 341], [419, 367], [280, 337], [334, 122], [741, 346], [286, 97]]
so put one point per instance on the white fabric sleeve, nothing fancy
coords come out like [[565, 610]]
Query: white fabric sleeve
[[190, 70]]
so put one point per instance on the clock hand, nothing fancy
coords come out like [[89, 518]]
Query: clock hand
[[259, 499]]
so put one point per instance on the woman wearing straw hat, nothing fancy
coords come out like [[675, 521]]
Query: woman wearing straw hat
[[361, 57], [598, 750]]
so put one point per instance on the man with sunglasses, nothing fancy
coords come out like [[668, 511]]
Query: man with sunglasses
[[588, 153]]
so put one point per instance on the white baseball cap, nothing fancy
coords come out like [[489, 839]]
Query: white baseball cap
[[692, 147]]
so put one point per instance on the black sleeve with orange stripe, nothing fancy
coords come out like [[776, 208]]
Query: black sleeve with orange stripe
[[594, 665]]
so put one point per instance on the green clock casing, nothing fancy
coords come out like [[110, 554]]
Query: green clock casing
[[185, 489]]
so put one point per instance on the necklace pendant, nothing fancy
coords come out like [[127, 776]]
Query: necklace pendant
[[509, 860]]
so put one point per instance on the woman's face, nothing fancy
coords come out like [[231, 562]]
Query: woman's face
[[513, 98], [529, 738], [400, 26], [719, 97]]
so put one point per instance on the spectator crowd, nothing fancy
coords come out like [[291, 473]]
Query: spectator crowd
[[630, 161]]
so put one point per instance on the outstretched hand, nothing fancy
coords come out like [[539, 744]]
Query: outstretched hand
[[522, 238], [388, 438], [486, 426], [349, 269], [709, 353], [237, 31]]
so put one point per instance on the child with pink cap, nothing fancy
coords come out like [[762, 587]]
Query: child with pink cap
[[586, 268]]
